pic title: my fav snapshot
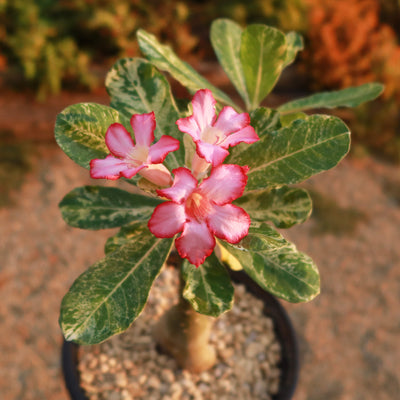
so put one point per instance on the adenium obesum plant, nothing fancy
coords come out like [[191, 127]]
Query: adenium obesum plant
[[210, 180]]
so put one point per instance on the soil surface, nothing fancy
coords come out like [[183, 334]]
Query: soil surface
[[348, 335]]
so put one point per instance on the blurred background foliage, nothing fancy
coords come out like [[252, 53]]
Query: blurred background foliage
[[50, 45]]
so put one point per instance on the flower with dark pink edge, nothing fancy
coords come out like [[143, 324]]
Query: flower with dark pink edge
[[128, 159], [212, 135], [202, 211]]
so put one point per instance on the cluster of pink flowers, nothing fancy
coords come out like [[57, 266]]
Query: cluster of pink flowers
[[200, 206]]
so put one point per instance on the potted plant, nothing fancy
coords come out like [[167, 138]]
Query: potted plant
[[214, 180]]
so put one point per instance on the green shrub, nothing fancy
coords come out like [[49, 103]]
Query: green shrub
[[51, 42]]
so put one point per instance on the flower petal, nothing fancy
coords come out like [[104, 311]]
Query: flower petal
[[160, 150], [189, 125], [203, 115], [230, 121], [143, 126], [111, 168], [119, 140], [204, 108], [212, 153], [246, 135], [196, 242], [167, 220], [229, 222], [183, 186], [225, 183], [158, 174]]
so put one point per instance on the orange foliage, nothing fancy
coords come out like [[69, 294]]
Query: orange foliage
[[349, 46]]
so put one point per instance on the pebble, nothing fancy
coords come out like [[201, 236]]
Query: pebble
[[153, 382], [128, 366], [167, 375], [114, 396], [121, 379], [104, 368], [87, 377], [112, 362], [253, 349], [125, 395], [93, 363]]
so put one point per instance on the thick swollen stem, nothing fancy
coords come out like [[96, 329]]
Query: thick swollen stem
[[184, 334]]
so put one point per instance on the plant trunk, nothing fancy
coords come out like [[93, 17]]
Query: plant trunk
[[184, 334]]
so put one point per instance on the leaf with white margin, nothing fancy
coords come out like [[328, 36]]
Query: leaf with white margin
[[225, 36], [111, 294], [262, 55], [137, 87], [295, 44], [208, 288], [283, 206], [127, 233], [81, 128], [294, 153], [349, 97], [276, 265], [164, 58], [98, 207]]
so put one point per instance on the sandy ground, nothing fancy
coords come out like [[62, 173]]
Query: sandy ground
[[349, 335]]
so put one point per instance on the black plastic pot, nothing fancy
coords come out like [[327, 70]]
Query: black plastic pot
[[272, 307]]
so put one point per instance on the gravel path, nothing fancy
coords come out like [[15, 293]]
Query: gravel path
[[349, 334]]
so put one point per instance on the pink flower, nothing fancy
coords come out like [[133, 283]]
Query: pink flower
[[214, 136], [127, 159], [202, 211]]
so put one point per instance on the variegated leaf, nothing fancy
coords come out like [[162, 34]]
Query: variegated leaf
[[137, 87], [128, 233], [276, 265], [262, 55], [349, 97], [284, 207], [97, 207], [110, 295], [294, 153], [164, 58], [225, 36], [80, 130], [294, 45], [208, 288]]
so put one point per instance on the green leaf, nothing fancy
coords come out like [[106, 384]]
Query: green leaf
[[208, 288], [260, 238], [350, 97], [80, 130], [225, 36], [97, 207], [276, 265], [164, 58], [137, 87], [294, 45], [284, 207], [262, 54], [111, 294], [295, 153], [264, 120], [128, 233], [287, 119]]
